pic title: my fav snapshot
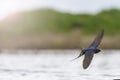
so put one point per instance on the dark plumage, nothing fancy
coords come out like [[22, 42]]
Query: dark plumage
[[91, 50]]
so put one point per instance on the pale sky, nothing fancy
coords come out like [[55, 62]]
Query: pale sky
[[73, 6]]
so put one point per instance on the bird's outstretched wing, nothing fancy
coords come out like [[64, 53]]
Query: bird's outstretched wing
[[97, 40], [87, 60]]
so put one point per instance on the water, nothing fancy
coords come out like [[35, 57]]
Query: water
[[57, 65]]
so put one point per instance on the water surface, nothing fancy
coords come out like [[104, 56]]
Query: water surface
[[57, 65]]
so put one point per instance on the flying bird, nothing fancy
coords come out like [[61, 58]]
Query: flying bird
[[91, 50]]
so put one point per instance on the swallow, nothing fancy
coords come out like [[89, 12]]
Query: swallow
[[91, 50]]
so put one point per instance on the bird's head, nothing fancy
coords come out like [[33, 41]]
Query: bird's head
[[81, 53]]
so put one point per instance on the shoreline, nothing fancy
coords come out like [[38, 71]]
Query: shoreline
[[56, 41]]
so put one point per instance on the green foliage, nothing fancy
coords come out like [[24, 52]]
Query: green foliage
[[41, 21]]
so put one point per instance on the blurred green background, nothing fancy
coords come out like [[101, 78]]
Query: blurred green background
[[58, 24], [47, 20], [51, 29]]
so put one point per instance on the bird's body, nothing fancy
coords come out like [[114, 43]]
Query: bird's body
[[88, 51], [91, 50]]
